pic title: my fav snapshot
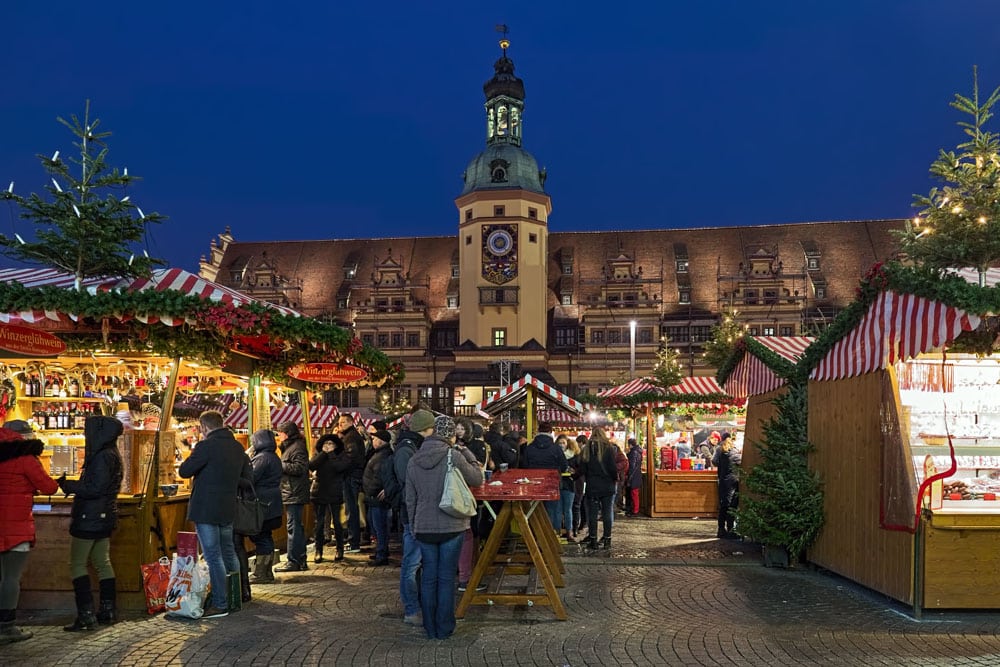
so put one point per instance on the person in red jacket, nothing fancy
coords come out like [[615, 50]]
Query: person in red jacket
[[21, 476]]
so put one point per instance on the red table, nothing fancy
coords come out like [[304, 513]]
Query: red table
[[521, 507]]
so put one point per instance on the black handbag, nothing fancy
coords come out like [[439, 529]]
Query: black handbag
[[249, 513]]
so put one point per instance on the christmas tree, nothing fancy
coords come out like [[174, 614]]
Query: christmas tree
[[959, 223], [83, 226], [667, 369], [725, 335]]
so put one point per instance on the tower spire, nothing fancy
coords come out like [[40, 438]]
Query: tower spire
[[504, 99]]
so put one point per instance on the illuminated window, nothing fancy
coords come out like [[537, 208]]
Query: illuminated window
[[499, 337]]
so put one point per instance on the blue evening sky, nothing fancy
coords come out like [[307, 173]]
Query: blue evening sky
[[320, 120]]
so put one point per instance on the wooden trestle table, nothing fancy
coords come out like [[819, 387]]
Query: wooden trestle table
[[521, 507]]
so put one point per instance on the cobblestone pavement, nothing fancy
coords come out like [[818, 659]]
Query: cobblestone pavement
[[668, 593]]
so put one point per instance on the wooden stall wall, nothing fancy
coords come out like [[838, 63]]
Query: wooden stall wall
[[760, 409], [844, 428]]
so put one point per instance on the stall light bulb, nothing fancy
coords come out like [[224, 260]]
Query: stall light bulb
[[19, 239], [125, 198], [125, 172], [982, 220], [956, 210]]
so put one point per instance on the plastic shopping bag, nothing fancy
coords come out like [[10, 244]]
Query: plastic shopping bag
[[189, 585], [155, 581]]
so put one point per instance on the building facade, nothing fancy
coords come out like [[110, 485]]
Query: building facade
[[469, 313]]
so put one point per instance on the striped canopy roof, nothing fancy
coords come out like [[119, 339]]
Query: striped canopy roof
[[320, 416], [160, 280], [896, 327], [685, 392], [752, 376], [509, 396]]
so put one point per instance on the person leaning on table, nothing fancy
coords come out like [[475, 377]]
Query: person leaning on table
[[438, 534]]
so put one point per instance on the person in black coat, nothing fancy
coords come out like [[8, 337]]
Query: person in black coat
[[266, 467], [330, 464], [355, 446], [93, 518], [220, 468], [726, 461], [597, 459], [294, 494], [633, 478], [543, 452]]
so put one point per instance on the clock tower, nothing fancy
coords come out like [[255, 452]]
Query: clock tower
[[503, 230]]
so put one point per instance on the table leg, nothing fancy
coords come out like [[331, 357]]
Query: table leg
[[501, 528], [549, 544], [538, 559]]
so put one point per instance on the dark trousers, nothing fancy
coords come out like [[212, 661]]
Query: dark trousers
[[351, 489], [321, 510], [603, 507], [729, 501]]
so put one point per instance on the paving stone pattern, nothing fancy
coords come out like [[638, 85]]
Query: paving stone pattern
[[667, 593]]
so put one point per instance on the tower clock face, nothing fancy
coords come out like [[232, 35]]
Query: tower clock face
[[500, 242], [499, 253]]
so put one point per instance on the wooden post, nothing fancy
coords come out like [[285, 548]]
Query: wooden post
[[649, 488], [306, 422], [152, 490], [529, 411], [253, 417]]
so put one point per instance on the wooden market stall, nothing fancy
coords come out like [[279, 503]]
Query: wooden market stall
[[671, 492], [889, 394], [757, 372], [534, 395], [67, 353]]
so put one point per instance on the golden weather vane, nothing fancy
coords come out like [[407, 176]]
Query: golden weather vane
[[504, 42]]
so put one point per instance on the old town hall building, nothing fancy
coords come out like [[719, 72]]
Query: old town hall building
[[468, 313]]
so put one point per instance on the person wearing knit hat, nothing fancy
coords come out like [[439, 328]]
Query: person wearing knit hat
[[294, 494], [421, 420], [444, 428], [23, 476], [438, 533]]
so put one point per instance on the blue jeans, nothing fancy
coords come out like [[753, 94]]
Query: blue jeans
[[296, 534], [437, 586], [379, 515], [554, 509], [408, 572], [220, 555], [566, 509], [351, 489]]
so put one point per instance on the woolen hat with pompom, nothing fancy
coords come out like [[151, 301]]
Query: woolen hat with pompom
[[444, 427]]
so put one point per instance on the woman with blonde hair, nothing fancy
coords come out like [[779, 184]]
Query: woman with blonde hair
[[597, 461], [567, 486]]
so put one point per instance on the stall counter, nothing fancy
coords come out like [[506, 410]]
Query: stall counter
[[685, 493], [960, 559]]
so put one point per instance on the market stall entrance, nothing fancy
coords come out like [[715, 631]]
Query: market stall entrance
[[671, 493]]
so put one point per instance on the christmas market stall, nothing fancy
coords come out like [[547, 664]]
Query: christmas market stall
[[532, 396], [904, 417], [757, 372], [145, 350], [682, 489]]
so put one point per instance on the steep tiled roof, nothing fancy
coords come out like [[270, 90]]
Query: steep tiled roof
[[845, 251]]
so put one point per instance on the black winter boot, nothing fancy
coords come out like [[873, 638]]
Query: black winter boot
[[592, 543], [606, 543], [85, 618], [107, 611], [10, 633]]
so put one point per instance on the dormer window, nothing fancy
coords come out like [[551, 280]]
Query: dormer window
[[350, 271], [454, 271], [682, 266], [237, 276], [812, 263], [684, 297]]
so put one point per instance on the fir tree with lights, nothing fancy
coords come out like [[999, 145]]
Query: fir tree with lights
[[83, 226], [667, 369], [959, 223], [725, 336]]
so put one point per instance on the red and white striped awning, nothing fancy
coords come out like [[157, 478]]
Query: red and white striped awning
[[689, 386], [896, 327], [559, 417], [511, 395], [320, 416], [630, 388], [160, 280], [752, 377]]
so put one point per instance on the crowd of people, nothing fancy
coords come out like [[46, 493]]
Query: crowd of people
[[382, 480]]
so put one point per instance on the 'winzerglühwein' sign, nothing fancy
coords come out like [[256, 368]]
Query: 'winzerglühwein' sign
[[324, 373], [31, 342]]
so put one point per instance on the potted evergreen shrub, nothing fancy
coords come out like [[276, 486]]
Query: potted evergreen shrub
[[782, 507]]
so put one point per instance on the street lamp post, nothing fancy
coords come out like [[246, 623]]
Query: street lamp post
[[631, 355]]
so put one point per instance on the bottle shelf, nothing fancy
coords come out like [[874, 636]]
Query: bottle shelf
[[59, 399]]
